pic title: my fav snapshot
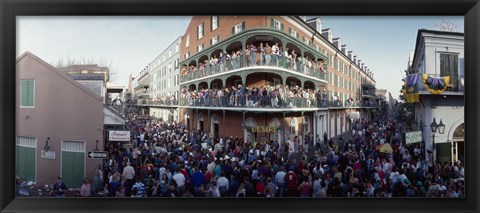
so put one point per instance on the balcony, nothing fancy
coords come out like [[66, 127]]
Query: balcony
[[455, 87], [141, 86], [240, 63], [168, 103], [239, 42]]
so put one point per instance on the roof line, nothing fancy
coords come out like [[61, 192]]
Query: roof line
[[59, 73]]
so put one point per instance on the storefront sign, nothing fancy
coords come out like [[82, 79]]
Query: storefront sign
[[264, 129], [48, 155], [115, 135], [413, 137]]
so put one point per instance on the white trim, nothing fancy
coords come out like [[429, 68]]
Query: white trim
[[34, 84], [254, 109]]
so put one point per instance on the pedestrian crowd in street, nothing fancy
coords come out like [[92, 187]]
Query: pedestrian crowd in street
[[166, 160]]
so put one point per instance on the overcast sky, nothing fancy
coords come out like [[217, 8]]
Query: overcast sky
[[130, 43]]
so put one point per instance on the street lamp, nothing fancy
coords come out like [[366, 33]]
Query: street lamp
[[46, 147], [436, 127], [96, 146]]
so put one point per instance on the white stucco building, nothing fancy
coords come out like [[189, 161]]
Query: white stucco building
[[164, 83], [441, 54]]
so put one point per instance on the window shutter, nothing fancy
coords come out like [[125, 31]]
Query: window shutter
[[24, 89], [233, 30], [30, 92], [198, 34], [218, 21], [203, 29], [272, 25], [211, 41], [290, 31], [243, 25], [211, 23], [281, 26]]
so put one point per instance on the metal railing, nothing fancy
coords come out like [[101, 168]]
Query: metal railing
[[156, 102], [242, 61]]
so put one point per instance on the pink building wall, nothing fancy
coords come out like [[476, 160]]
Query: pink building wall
[[63, 110]]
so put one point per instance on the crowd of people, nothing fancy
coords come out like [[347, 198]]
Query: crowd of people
[[251, 55], [166, 160], [256, 96]]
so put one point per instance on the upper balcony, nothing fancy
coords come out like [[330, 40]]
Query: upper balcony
[[242, 51]]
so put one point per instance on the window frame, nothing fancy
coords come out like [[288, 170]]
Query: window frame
[[200, 30]]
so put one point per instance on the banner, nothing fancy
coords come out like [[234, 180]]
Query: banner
[[116, 135], [411, 87], [413, 137], [436, 85]]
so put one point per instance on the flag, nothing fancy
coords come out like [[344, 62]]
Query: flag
[[412, 88], [436, 85]]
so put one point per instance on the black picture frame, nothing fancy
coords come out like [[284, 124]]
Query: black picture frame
[[9, 9]]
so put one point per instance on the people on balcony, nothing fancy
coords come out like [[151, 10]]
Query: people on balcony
[[261, 96], [267, 56]]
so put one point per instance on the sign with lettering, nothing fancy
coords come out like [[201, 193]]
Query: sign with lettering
[[446, 26], [48, 155], [97, 154], [264, 129], [116, 135], [413, 137]]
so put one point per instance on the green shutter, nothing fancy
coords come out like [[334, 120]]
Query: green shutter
[[243, 25], [31, 87], [218, 21], [73, 168], [233, 30], [24, 91], [211, 41], [27, 93], [281, 26], [272, 25], [211, 23]]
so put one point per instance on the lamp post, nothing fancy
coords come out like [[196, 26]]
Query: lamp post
[[436, 127], [96, 146], [46, 147]]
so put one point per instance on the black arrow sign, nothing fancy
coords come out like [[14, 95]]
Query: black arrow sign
[[100, 154]]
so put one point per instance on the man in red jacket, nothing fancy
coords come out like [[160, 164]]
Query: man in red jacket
[[291, 182]]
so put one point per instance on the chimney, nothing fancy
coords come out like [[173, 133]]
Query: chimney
[[359, 63], [350, 55], [337, 42], [328, 34], [355, 59], [344, 49], [365, 68]]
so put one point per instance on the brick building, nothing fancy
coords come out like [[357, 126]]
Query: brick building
[[340, 87]]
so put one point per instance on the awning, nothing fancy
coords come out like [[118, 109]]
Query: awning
[[110, 118]]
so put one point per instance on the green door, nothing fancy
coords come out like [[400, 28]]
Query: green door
[[73, 167], [25, 163]]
